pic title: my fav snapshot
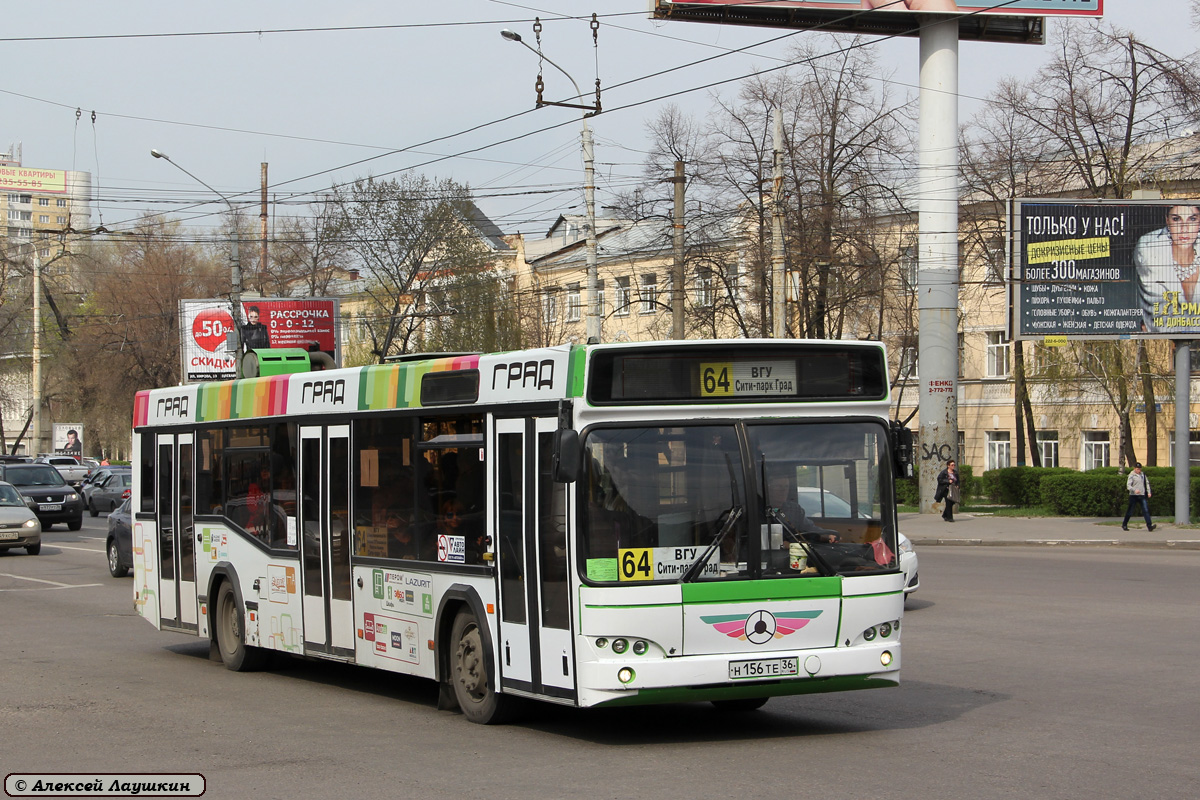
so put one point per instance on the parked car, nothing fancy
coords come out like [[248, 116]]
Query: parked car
[[823, 503], [908, 563], [120, 541], [19, 526], [104, 489], [69, 467], [53, 500]]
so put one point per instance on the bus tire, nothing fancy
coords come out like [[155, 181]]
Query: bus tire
[[470, 674], [740, 705], [230, 629]]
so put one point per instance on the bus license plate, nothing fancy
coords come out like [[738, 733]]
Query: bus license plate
[[764, 668], [9, 535], [50, 507]]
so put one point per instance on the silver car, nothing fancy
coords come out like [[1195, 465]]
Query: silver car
[[19, 526]]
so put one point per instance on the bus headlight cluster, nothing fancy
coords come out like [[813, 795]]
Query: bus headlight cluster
[[883, 630], [622, 645]]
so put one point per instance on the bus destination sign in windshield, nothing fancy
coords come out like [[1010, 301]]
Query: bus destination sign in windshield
[[748, 379]]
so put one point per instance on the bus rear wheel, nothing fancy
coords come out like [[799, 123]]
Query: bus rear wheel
[[470, 675], [230, 628]]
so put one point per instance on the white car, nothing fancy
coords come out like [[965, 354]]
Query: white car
[[908, 563], [817, 502]]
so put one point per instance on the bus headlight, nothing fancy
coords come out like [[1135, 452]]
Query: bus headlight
[[885, 630], [869, 634], [625, 674], [885, 658], [640, 648], [602, 642], [619, 646]]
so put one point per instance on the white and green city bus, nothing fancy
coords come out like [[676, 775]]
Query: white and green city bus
[[590, 525]]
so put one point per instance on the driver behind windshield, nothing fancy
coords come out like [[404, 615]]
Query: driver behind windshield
[[781, 499]]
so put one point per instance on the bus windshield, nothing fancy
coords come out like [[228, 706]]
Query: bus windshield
[[756, 499]]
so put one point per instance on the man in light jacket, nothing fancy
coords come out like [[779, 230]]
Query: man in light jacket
[[1138, 486]]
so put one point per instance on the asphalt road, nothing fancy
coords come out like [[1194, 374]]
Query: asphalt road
[[1028, 672]]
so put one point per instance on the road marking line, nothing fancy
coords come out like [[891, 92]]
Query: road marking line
[[51, 588], [43, 580], [80, 549]]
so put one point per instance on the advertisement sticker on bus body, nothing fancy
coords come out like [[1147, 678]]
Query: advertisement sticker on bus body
[[1106, 270]]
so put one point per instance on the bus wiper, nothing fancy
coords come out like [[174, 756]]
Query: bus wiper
[[735, 514], [822, 564]]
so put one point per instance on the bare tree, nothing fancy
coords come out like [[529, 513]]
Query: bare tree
[[399, 229], [307, 251]]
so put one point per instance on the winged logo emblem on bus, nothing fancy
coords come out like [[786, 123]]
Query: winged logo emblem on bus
[[761, 627]]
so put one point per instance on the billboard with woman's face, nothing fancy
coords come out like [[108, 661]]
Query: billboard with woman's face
[[1106, 270], [1037, 8]]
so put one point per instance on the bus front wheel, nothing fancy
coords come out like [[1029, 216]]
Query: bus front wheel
[[470, 675], [231, 631]]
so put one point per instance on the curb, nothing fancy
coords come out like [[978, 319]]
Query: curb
[[1173, 544]]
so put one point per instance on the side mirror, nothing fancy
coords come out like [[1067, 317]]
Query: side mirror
[[567, 458], [902, 450]]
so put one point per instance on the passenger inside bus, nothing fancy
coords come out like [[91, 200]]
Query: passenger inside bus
[[401, 542]]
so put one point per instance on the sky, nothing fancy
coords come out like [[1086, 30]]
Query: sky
[[223, 86]]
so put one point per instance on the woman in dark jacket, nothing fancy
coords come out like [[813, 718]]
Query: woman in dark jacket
[[947, 483]]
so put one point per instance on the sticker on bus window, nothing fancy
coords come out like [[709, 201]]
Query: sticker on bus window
[[602, 570], [662, 563]]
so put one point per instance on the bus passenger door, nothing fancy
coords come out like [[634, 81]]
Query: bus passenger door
[[177, 548], [323, 506], [534, 645]]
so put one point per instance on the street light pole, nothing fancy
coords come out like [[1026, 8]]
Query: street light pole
[[235, 265], [592, 329]]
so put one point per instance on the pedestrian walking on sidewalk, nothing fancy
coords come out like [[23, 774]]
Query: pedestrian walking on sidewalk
[[1138, 486], [947, 483]]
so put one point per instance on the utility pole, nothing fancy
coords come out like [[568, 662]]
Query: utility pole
[[778, 289], [37, 355], [677, 272], [262, 215]]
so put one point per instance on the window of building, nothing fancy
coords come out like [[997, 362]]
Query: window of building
[[999, 449], [26, 198], [994, 254], [14, 198], [574, 303], [1047, 444], [997, 355], [14, 214], [621, 302], [1096, 447], [600, 298], [61, 220], [61, 203], [44, 252], [550, 305], [908, 267], [908, 362], [43, 201], [43, 218], [704, 287], [649, 292], [1193, 448]]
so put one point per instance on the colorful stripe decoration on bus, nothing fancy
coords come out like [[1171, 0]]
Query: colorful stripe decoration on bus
[[533, 375]]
